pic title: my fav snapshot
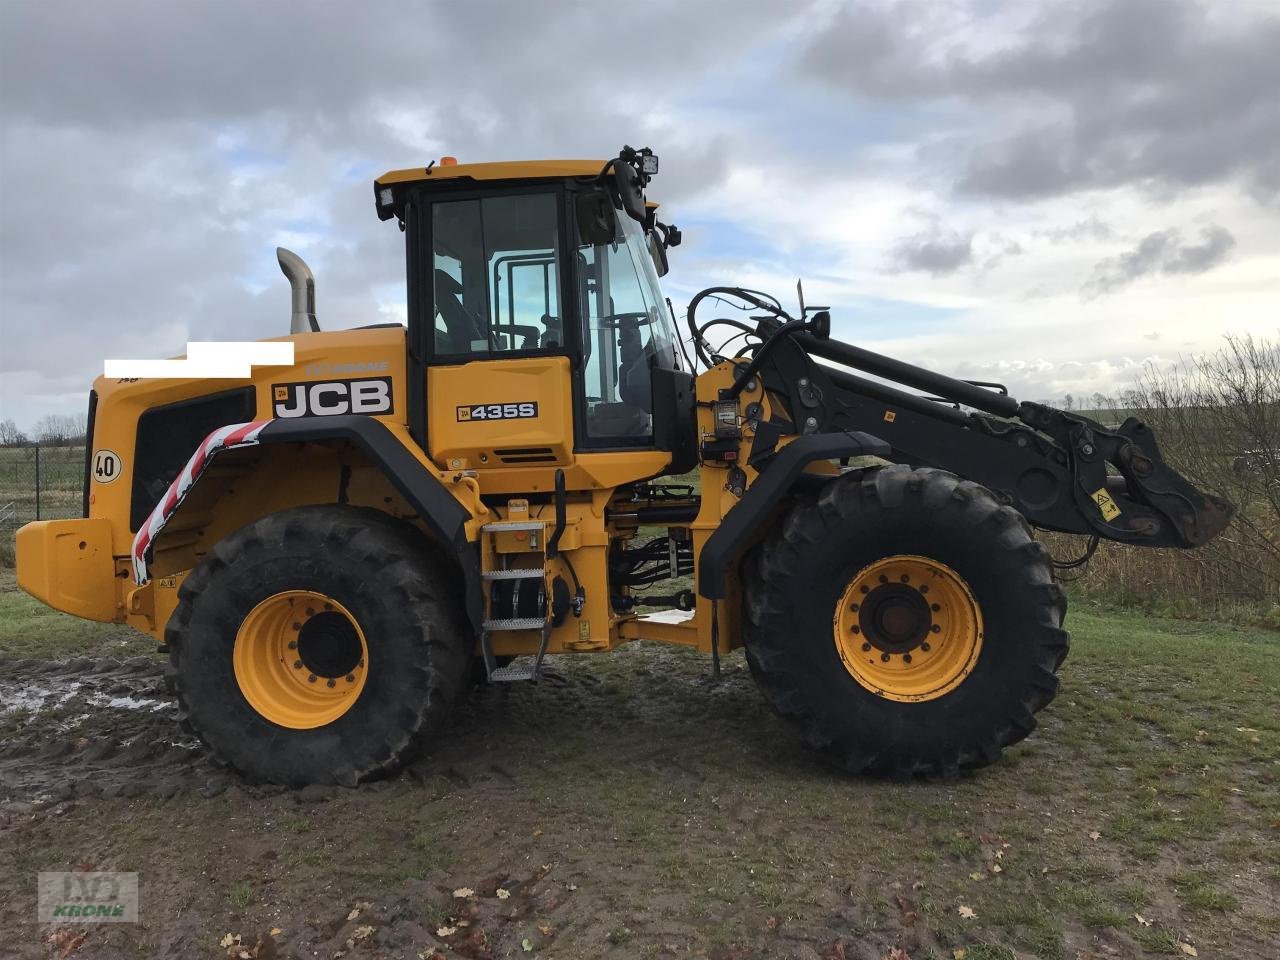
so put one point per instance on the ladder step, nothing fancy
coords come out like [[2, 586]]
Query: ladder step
[[516, 670], [516, 623], [527, 573], [505, 526]]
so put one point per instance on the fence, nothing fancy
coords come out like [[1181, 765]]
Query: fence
[[39, 482]]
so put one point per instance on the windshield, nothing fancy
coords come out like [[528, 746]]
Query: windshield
[[627, 331]]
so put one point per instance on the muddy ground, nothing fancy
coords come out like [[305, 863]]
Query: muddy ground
[[628, 806]]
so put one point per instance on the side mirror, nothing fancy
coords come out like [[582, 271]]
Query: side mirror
[[820, 324], [597, 220], [630, 190], [659, 254]]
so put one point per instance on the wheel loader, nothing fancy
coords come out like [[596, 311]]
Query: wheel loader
[[541, 463]]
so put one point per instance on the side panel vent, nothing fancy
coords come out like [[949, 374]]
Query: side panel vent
[[168, 436], [526, 455]]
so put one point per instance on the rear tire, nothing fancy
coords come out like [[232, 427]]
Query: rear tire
[[355, 585], [816, 666]]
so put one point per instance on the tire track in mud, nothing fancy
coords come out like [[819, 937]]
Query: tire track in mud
[[87, 727]]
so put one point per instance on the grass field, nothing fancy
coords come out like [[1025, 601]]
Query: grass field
[[61, 482], [630, 807]]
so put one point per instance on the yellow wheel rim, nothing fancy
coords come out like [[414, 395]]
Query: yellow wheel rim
[[300, 659], [908, 628]]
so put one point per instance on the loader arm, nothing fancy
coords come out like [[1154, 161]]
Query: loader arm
[[1062, 471]]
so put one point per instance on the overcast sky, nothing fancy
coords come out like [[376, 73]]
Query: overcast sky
[[1047, 194]]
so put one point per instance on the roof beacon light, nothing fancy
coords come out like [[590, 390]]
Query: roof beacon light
[[448, 161]]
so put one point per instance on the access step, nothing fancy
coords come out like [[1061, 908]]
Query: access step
[[515, 623], [527, 573]]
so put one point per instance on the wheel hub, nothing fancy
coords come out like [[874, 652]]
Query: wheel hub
[[908, 628], [895, 618]]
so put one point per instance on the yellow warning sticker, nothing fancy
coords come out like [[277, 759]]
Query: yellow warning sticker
[[584, 629], [1108, 506], [890, 416]]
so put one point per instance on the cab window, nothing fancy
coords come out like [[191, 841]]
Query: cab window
[[626, 332], [494, 277]]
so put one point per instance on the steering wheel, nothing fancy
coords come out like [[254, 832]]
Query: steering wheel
[[615, 321]]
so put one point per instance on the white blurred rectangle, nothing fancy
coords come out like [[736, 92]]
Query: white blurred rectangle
[[211, 360]]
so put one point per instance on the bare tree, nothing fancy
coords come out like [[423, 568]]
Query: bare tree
[[60, 429], [10, 435]]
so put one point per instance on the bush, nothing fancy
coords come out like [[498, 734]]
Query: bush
[[1217, 420]]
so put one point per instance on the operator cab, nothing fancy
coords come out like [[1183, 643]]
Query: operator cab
[[531, 261]]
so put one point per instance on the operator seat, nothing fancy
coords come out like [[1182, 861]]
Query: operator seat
[[461, 327]]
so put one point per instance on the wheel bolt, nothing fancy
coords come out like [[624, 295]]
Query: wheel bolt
[[296, 625], [311, 611], [925, 646], [904, 578], [936, 629], [924, 588], [857, 629], [883, 578], [934, 607], [332, 683], [884, 657], [328, 606], [865, 589], [351, 678], [360, 664], [311, 679], [293, 644], [906, 658], [297, 664], [855, 608], [866, 648]]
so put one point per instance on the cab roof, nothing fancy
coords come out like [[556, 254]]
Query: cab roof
[[501, 170]]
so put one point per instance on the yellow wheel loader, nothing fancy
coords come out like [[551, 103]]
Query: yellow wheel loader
[[332, 553]]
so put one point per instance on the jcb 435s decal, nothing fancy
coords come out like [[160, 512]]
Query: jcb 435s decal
[[526, 410], [331, 398]]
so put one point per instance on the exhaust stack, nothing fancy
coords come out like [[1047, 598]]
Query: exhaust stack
[[303, 283]]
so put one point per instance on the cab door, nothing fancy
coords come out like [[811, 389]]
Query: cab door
[[498, 388]]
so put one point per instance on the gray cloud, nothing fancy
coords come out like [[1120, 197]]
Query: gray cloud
[[1164, 252], [1095, 94], [152, 155], [937, 251]]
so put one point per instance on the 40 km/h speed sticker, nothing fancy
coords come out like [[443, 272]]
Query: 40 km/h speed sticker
[[525, 410], [106, 466]]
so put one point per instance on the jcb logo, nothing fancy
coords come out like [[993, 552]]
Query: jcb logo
[[331, 398]]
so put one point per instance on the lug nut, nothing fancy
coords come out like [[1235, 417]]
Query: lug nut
[[883, 578], [854, 608], [351, 678], [311, 611], [924, 588], [925, 646], [328, 606], [857, 629], [293, 644], [865, 589], [904, 578], [296, 625], [906, 658], [297, 664], [936, 629], [332, 683], [884, 657], [311, 679], [934, 607], [866, 648]]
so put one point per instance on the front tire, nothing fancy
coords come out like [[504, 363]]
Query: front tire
[[319, 644], [907, 621]]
